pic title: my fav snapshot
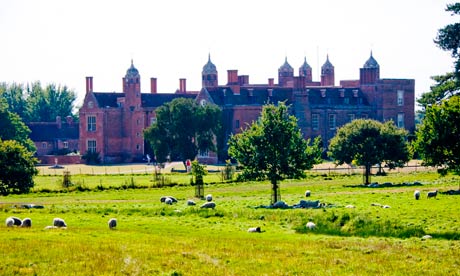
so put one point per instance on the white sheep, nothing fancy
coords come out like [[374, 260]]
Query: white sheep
[[58, 222], [168, 201], [112, 223], [209, 205], [417, 194], [386, 206], [254, 230], [27, 222], [16, 221], [427, 237], [350, 206], [9, 222], [209, 198], [310, 225], [432, 194], [163, 198], [191, 202], [307, 193]]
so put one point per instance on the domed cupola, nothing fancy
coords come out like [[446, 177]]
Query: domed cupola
[[209, 67], [209, 77], [305, 71], [327, 65], [132, 72], [286, 67], [371, 63], [370, 72]]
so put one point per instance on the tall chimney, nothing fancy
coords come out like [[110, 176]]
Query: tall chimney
[[271, 82], [58, 122], [89, 84], [232, 76], [182, 85], [153, 85]]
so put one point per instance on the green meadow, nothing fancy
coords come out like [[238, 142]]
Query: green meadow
[[153, 238]]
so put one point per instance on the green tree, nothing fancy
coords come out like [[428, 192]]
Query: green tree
[[17, 168], [182, 128], [438, 137], [45, 104], [370, 142], [448, 39], [12, 127], [15, 96], [273, 148]]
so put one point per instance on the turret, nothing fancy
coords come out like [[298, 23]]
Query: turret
[[209, 74], [327, 73], [370, 71], [286, 75]]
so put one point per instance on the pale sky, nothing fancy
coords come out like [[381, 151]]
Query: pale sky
[[62, 42]]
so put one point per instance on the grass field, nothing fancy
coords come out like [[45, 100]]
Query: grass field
[[157, 239]]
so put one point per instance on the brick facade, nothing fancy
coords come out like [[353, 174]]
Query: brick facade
[[320, 106]]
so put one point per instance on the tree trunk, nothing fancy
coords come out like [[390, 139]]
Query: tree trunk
[[275, 194], [368, 173]]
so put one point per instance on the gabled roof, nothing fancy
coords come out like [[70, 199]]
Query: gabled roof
[[333, 97], [223, 95], [158, 99], [41, 131], [107, 99]]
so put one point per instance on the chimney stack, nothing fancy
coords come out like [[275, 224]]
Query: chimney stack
[[58, 122], [153, 85], [232, 77], [89, 84], [271, 82], [182, 86]]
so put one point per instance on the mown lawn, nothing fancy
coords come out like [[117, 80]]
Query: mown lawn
[[157, 239]]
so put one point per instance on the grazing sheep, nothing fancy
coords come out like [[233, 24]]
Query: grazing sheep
[[417, 194], [376, 204], [27, 222], [9, 222], [386, 206], [310, 225], [426, 237], [168, 201], [209, 205], [280, 205], [432, 194], [58, 222], [209, 198], [112, 223], [254, 230], [191, 202], [163, 198], [307, 193], [50, 227], [350, 206]]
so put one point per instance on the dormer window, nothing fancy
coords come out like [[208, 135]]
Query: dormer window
[[90, 104]]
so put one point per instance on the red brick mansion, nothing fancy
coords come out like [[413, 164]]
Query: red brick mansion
[[113, 123]]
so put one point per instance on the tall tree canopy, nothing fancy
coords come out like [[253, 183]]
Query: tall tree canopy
[[273, 148], [448, 39], [182, 128], [39, 104], [370, 142], [12, 127], [17, 168], [438, 137]]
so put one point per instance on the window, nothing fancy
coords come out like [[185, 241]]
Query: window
[[332, 121], [138, 147], [66, 145], [400, 99], [346, 100], [91, 145], [44, 145], [138, 121], [351, 117], [400, 120], [314, 121], [91, 123], [203, 153], [237, 124], [153, 120]]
